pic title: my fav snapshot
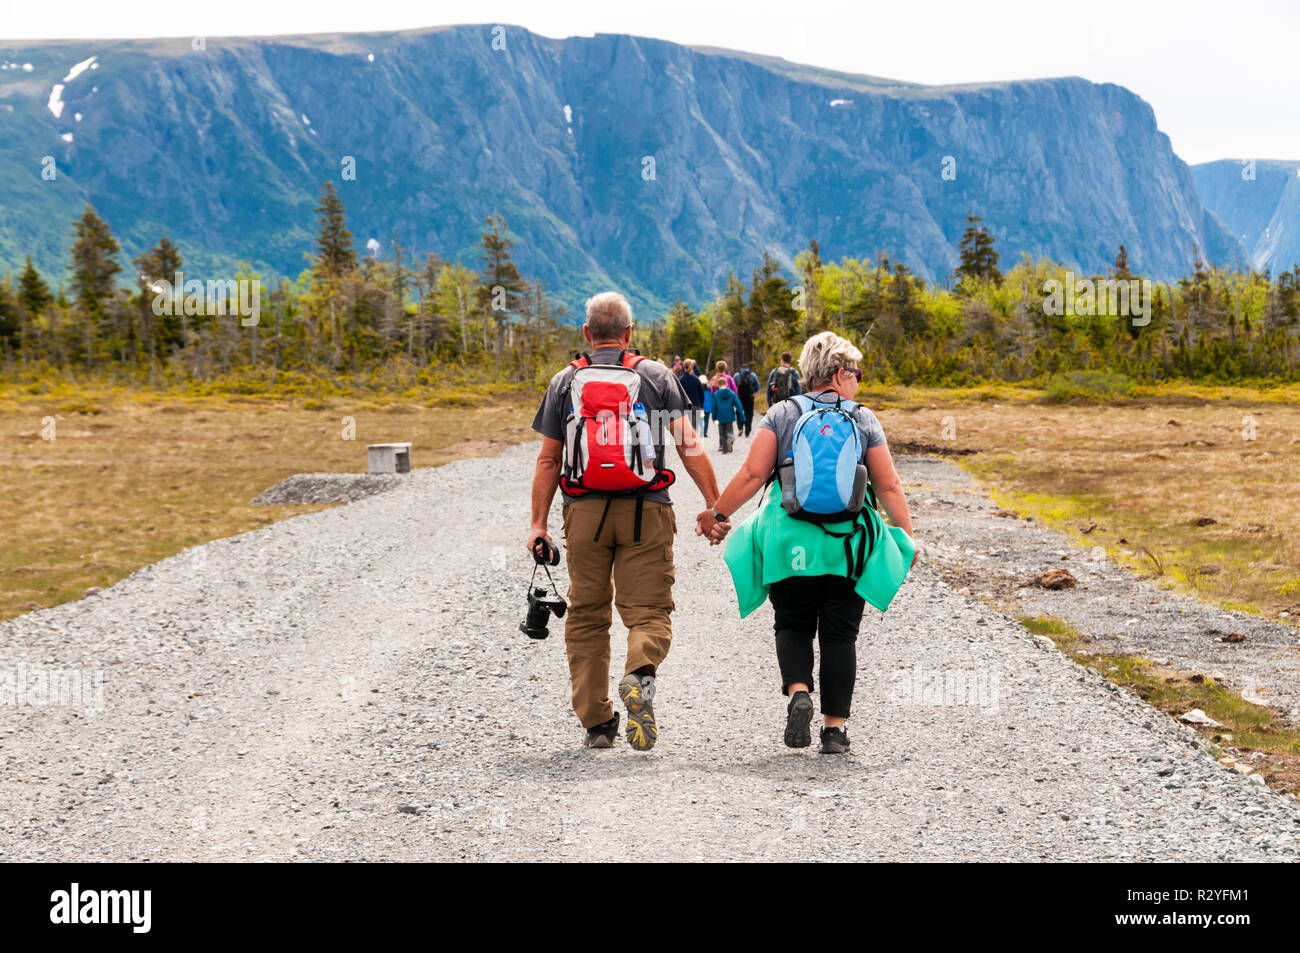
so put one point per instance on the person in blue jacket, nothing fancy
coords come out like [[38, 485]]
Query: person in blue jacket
[[726, 411]]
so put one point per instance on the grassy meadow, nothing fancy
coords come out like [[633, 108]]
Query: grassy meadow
[[130, 477], [1196, 487]]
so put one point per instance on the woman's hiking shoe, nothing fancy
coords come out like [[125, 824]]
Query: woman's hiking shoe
[[835, 741], [637, 693], [797, 719], [602, 736]]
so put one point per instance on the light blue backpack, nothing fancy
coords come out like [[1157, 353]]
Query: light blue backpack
[[823, 479]]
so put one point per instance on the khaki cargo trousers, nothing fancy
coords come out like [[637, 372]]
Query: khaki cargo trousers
[[636, 576]]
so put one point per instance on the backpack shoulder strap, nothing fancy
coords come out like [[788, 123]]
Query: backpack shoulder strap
[[630, 359], [582, 360], [802, 401]]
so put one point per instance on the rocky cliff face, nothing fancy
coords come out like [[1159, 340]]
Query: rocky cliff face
[[636, 162], [1260, 205]]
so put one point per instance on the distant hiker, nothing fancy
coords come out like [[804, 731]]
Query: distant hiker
[[747, 387], [817, 547], [707, 408], [727, 410], [677, 364], [720, 370], [783, 382], [602, 422], [694, 392]]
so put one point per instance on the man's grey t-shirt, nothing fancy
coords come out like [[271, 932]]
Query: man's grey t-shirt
[[661, 393], [782, 418]]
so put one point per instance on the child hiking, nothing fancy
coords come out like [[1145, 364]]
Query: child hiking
[[727, 410]]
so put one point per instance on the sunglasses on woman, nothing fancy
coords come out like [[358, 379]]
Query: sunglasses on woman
[[855, 371]]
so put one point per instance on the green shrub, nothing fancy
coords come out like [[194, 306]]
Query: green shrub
[[1099, 385]]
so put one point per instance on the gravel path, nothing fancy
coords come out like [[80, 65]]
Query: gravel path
[[351, 685]]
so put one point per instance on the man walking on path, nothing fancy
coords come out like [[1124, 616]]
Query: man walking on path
[[619, 543], [783, 382], [746, 387]]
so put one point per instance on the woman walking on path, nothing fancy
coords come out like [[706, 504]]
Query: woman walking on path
[[818, 575]]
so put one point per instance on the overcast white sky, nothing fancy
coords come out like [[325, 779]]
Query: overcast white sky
[[1223, 77]]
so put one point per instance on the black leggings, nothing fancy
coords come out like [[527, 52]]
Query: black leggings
[[828, 607]]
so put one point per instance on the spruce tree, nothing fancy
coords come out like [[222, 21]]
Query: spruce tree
[[335, 255], [911, 316], [94, 266], [501, 289], [683, 329], [94, 269], [978, 257], [33, 292], [162, 262]]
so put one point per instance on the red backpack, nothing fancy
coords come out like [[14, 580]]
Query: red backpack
[[608, 444]]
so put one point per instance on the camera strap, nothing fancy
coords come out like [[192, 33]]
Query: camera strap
[[532, 581]]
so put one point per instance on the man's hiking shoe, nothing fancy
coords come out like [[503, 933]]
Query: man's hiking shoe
[[835, 741], [602, 736], [637, 692], [798, 717]]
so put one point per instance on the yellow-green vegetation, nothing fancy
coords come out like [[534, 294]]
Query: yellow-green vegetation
[[1247, 727], [897, 396], [130, 478], [1195, 490], [77, 391]]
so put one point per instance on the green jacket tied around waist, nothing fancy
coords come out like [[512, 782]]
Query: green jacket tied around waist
[[771, 545]]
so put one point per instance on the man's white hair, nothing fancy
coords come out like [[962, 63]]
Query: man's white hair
[[608, 316], [823, 355]]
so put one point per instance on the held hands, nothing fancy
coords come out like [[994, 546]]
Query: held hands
[[707, 525]]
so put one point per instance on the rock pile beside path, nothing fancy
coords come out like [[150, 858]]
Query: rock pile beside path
[[330, 487]]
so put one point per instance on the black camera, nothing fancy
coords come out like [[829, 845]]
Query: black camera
[[541, 607], [541, 604]]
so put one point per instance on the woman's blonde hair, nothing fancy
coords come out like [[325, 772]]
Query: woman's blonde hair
[[823, 355]]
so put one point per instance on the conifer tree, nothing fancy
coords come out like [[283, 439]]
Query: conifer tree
[[979, 259], [33, 292], [94, 269], [94, 265], [160, 263], [683, 329], [335, 255], [911, 316], [501, 291]]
